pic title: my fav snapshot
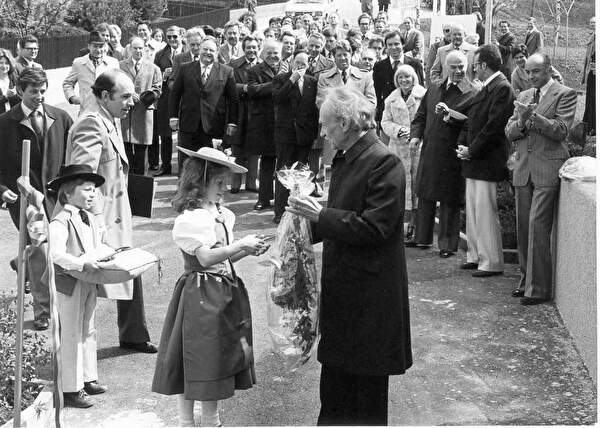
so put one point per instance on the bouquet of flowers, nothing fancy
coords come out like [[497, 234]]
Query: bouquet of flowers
[[293, 293]]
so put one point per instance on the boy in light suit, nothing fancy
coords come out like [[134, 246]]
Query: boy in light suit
[[75, 245]]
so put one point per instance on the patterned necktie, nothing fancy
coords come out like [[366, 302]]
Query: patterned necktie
[[137, 67], [396, 65], [204, 75], [84, 217], [196, 58], [344, 76], [37, 123]]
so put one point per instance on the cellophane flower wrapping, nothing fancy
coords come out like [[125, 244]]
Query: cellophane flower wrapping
[[293, 292]]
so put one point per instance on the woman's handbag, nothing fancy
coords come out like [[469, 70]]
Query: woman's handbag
[[124, 265], [218, 322]]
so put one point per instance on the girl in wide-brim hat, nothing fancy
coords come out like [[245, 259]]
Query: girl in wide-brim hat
[[205, 350]]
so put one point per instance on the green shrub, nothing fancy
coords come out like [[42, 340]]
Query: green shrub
[[36, 354]]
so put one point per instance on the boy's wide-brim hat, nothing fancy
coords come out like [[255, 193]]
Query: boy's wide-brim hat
[[147, 98], [73, 172], [215, 156]]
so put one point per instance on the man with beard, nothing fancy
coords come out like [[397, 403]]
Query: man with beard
[[231, 49], [238, 142], [439, 177], [86, 69], [260, 133], [203, 103]]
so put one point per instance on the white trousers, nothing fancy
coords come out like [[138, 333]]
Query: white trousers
[[78, 337], [484, 240]]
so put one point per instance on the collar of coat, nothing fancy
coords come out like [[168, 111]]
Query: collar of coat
[[361, 145], [352, 71]]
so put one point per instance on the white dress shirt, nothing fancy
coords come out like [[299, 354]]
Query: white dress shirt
[[492, 77]]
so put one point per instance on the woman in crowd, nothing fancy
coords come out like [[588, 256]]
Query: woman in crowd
[[115, 42], [202, 356], [400, 109], [158, 36], [520, 80], [8, 82]]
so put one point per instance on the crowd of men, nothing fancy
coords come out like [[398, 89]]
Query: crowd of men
[[258, 92]]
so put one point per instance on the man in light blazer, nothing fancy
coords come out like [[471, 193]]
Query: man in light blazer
[[534, 40], [232, 48], [86, 69], [47, 154], [95, 140], [137, 126], [439, 72], [538, 129]]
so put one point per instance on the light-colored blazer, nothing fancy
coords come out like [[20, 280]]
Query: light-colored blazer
[[95, 140], [225, 56], [415, 43], [84, 73], [136, 128], [358, 80], [540, 152], [439, 71]]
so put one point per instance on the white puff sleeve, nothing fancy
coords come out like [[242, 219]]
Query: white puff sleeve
[[193, 229]]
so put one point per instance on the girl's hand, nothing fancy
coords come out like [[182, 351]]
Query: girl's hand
[[90, 267], [251, 244]]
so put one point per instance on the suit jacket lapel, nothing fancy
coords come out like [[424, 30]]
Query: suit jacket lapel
[[114, 135], [268, 70], [548, 98]]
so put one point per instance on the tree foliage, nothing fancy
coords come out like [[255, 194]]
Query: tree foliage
[[39, 17], [149, 10], [499, 6], [87, 14]]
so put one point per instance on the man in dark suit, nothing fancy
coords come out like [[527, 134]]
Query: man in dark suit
[[538, 129], [261, 119], [483, 149], [28, 52], [364, 313], [47, 128], [203, 102], [193, 38], [316, 61], [296, 121], [506, 44], [164, 60], [534, 40], [383, 71], [239, 145]]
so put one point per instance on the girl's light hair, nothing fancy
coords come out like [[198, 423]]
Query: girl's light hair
[[193, 182], [352, 106], [407, 69]]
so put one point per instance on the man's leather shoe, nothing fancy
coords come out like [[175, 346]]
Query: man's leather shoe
[[528, 301], [41, 324], [485, 273], [517, 293], [469, 265], [259, 206], [93, 388], [445, 254], [78, 399], [162, 171], [234, 191], [410, 243], [153, 167], [145, 347], [318, 192]]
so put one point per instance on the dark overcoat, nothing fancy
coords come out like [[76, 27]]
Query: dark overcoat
[[259, 135], [439, 173], [240, 73], [364, 313], [162, 60], [483, 132], [296, 114]]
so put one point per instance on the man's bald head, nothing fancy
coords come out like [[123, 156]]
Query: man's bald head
[[539, 69]]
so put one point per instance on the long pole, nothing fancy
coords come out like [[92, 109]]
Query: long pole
[[25, 153], [489, 8]]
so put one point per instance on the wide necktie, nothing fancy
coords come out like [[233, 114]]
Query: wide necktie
[[137, 67], [37, 123], [196, 58], [536, 96], [344, 76], [301, 84], [84, 217], [204, 75], [396, 65]]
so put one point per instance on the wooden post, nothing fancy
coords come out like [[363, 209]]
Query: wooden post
[[489, 12], [25, 154]]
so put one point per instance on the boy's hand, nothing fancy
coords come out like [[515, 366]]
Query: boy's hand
[[90, 267]]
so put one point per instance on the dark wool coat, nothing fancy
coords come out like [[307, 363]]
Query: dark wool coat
[[162, 59], [296, 115], [439, 174], [364, 313], [488, 113], [261, 118], [240, 73]]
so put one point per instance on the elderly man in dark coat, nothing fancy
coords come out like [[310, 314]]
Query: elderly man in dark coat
[[439, 175], [364, 313], [259, 134]]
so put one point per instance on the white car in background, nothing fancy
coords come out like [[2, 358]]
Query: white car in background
[[316, 8]]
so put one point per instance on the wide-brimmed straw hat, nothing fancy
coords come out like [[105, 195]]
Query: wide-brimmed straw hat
[[72, 172], [216, 156]]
